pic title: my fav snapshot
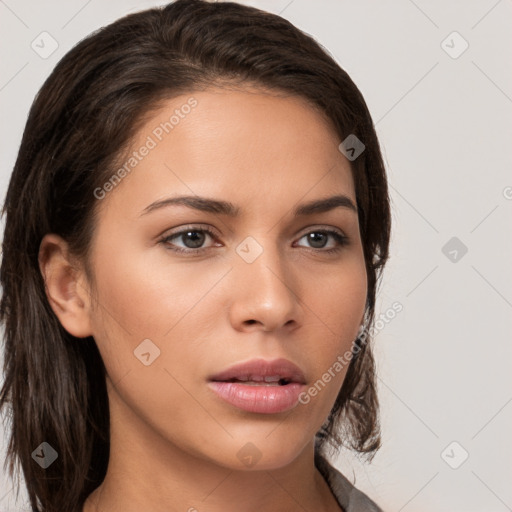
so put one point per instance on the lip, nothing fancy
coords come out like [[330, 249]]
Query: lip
[[259, 399], [270, 398], [262, 368]]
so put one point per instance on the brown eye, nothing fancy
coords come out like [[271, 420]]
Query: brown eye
[[196, 239], [318, 239], [192, 240]]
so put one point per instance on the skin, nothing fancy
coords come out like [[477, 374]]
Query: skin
[[174, 443]]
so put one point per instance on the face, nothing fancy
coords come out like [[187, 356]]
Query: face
[[184, 292]]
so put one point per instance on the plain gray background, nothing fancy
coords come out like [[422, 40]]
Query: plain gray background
[[443, 116]]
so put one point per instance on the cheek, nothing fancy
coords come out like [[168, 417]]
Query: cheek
[[171, 306], [148, 298], [337, 304], [147, 324], [338, 299]]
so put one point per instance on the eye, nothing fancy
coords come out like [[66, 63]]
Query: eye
[[319, 238], [193, 238]]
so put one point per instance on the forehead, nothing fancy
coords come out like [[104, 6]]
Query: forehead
[[248, 143]]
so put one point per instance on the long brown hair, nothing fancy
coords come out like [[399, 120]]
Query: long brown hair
[[81, 121]]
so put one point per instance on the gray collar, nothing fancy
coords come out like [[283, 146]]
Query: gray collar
[[349, 497]]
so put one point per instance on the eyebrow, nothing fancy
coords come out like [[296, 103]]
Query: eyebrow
[[220, 207]]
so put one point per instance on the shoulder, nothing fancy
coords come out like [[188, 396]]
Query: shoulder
[[349, 497]]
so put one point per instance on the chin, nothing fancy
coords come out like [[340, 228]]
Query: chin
[[262, 451]]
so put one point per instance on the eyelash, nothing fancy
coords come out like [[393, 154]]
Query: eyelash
[[342, 240]]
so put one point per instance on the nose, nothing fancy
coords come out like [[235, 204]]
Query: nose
[[265, 292]]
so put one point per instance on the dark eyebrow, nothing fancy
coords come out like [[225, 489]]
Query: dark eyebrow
[[226, 208], [198, 203], [324, 205]]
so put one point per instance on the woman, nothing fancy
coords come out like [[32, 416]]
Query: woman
[[195, 228]]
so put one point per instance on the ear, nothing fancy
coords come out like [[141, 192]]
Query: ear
[[66, 286]]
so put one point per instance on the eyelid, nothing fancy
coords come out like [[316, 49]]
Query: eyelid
[[189, 227], [319, 227], [210, 230], [342, 240], [164, 239]]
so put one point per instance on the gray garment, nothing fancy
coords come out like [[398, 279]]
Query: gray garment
[[349, 498]]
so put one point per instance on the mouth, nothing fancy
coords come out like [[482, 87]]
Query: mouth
[[259, 372], [259, 381], [259, 386]]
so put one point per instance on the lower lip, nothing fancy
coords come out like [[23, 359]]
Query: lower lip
[[261, 399]]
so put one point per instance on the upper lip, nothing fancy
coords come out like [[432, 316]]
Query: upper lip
[[258, 369]]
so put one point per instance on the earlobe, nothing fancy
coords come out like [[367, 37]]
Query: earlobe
[[65, 286]]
